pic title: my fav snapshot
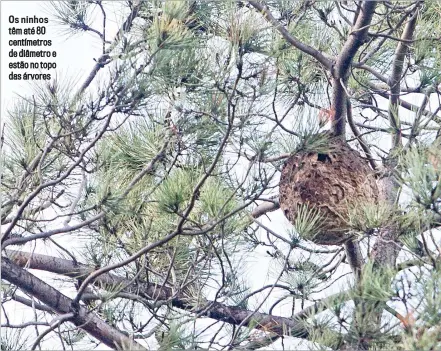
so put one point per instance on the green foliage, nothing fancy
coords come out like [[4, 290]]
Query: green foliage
[[177, 49], [308, 222], [216, 200], [411, 242], [168, 31], [422, 174], [176, 190], [123, 156], [316, 143], [365, 217], [298, 73], [26, 134], [307, 138], [247, 33], [239, 97], [323, 333], [432, 299], [75, 14], [128, 151], [174, 338], [375, 285], [300, 279], [424, 334], [424, 341], [358, 81]]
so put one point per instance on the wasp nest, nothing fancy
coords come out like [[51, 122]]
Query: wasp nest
[[328, 184]]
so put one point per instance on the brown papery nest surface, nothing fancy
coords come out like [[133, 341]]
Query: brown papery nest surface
[[327, 182]]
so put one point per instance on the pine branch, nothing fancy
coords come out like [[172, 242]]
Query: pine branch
[[402, 103], [62, 305], [396, 76], [105, 59], [30, 303], [229, 314], [364, 145], [354, 257], [265, 207], [316, 54]]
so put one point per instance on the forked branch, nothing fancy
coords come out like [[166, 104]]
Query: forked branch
[[62, 305]]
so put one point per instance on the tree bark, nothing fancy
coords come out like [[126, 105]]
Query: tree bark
[[62, 305], [316, 54], [230, 314], [396, 77], [341, 69]]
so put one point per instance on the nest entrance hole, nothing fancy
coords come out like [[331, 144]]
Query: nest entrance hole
[[324, 158]]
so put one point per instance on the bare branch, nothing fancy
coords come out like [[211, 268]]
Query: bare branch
[[104, 59], [24, 325], [402, 103], [265, 208], [360, 138], [340, 71], [62, 230], [61, 304], [30, 303], [53, 325], [369, 69], [319, 56], [229, 314], [396, 76]]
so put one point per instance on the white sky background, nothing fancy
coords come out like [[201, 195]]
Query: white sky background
[[74, 60], [75, 54]]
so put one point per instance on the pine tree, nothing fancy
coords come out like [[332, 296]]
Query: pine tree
[[153, 186]]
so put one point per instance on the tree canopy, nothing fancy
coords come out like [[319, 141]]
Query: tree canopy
[[152, 187]]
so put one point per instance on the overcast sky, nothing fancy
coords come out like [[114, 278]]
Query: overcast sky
[[74, 61], [75, 54]]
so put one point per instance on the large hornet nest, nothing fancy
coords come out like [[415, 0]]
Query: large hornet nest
[[327, 183]]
